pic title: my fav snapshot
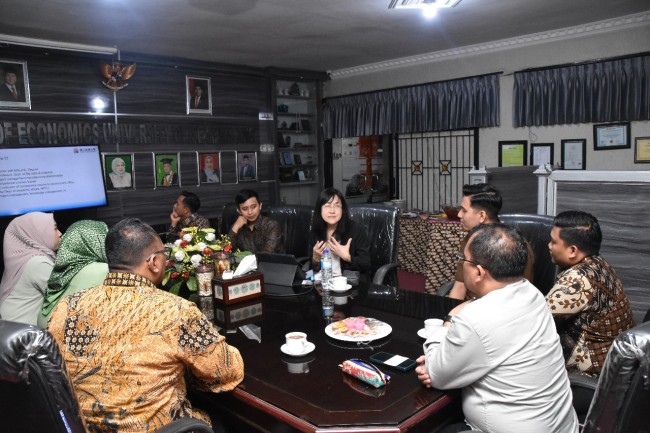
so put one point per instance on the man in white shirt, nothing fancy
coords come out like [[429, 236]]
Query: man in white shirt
[[501, 348]]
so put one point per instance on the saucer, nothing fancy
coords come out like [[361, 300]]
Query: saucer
[[347, 287], [310, 348], [422, 333]]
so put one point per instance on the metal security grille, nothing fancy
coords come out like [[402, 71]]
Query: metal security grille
[[431, 168]]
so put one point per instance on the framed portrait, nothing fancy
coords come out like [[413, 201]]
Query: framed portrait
[[642, 149], [166, 170], [612, 136], [296, 159], [247, 166], [199, 95], [14, 85], [119, 171], [574, 154], [286, 158], [512, 153], [541, 153], [209, 168]]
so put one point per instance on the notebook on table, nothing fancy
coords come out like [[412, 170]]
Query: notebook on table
[[280, 269]]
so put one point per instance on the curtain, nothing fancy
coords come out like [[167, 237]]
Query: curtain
[[606, 91], [457, 104]]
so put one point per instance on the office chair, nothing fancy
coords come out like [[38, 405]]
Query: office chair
[[621, 396], [38, 393]]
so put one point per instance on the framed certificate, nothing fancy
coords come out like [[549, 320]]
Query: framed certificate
[[512, 153], [541, 153], [612, 136], [574, 154], [642, 149]]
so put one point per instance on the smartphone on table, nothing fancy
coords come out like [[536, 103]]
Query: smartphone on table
[[398, 362]]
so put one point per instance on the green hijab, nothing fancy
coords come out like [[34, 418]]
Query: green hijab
[[81, 245]]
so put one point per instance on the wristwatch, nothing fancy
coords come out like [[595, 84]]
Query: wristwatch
[[447, 318]]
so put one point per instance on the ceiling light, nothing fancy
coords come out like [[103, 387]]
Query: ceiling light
[[422, 4]]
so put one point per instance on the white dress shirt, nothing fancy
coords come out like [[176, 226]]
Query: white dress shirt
[[504, 352]]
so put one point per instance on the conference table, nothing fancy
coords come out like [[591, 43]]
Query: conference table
[[282, 393]]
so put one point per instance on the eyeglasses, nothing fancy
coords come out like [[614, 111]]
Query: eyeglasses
[[461, 258], [165, 251], [333, 206]]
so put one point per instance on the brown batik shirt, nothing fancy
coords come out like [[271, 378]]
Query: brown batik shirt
[[265, 237], [194, 220], [591, 309], [128, 346]]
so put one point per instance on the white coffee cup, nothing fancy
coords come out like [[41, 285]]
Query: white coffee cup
[[339, 283], [340, 300], [296, 342], [431, 325]]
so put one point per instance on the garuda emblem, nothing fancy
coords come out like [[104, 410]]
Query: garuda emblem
[[115, 75]]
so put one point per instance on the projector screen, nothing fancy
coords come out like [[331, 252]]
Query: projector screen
[[48, 179]]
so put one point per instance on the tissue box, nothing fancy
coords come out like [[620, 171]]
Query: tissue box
[[238, 289], [234, 316]]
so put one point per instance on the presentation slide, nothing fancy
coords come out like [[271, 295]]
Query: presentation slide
[[47, 179]]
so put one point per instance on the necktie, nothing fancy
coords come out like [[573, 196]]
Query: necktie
[[13, 90], [196, 102]]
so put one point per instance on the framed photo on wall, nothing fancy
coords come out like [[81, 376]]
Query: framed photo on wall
[[209, 168], [574, 154], [198, 94], [14, 85], [612, 136], [166, 169], [247, 166], [642, 150], [118, 171], [541, 153], [512, 153]]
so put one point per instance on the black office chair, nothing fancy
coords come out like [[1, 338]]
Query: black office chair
[[621, 396], [382, 225], [295, 223], [37, 393], [536, 229]]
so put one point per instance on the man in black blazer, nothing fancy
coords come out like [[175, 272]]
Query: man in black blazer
[[9, 89], [199, 101]]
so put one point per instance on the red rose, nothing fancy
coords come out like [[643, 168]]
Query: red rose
[[175, 275], [228, 248], [186, 275], [184, 244], [207, 251], [169, 263]]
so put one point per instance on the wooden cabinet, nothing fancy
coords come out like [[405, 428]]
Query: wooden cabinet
[[298, 140]]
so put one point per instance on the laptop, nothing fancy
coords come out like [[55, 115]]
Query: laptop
[[280, 269]]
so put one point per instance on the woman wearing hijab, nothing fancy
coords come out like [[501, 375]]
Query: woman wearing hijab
[[209, 174], [29, 248], [80, 264], [120, 178]]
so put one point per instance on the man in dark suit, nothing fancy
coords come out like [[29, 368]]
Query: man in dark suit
[[247, 171], [198, 101], [9, 89]]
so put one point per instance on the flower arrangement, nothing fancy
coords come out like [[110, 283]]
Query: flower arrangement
[[195, 247]]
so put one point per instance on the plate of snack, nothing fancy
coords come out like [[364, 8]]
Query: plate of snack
[[358, 329]]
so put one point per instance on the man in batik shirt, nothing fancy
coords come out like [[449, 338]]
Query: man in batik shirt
[[127, 345], [184, 214], [252, 231], [588, 300]]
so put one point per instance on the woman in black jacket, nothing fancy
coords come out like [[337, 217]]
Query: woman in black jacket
[[334, 230]]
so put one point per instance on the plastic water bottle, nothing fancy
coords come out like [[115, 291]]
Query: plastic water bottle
[[325, 277]]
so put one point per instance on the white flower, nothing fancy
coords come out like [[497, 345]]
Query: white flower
[[187, 237], [177, 242], [179, 256], [202, 246], [210, 237], [196, 260]]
